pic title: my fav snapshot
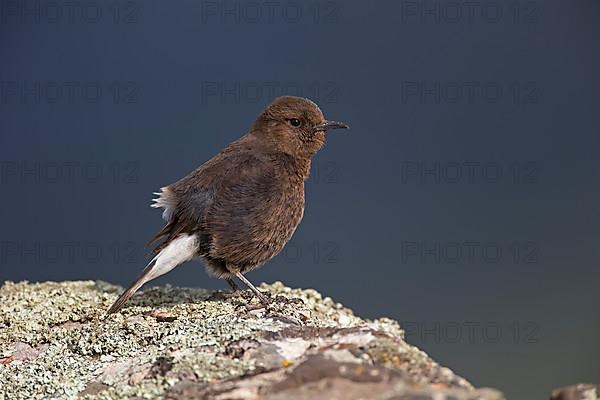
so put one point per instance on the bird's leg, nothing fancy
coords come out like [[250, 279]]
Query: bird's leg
[[234, 287], [263, 299]]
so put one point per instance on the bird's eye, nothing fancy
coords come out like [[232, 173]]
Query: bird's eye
[[295, 122]]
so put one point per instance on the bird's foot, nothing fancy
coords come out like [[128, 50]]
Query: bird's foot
[[263, 298]]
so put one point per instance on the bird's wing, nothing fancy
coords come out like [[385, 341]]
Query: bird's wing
[[253, 216], [187, 202], [184, 212]]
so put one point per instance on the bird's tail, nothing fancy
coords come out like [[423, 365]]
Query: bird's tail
[[181, 249], [133, 287]]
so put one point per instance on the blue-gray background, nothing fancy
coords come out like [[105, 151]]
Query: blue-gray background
[[160, 87]]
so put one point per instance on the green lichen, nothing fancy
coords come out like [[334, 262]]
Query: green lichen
[[79, 344]]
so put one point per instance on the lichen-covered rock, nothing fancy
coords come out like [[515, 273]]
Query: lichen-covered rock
[[56, 341], [581, 391]]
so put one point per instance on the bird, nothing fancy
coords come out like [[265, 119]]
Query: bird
[[239, 209]]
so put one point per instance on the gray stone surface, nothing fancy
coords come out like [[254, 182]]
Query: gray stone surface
[[581, 391], [57, 342]]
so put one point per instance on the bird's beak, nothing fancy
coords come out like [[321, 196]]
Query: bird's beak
[[328, 125]]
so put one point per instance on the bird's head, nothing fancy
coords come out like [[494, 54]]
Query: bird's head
[[294, 125]]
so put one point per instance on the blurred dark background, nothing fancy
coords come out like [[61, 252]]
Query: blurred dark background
[[463, 202]]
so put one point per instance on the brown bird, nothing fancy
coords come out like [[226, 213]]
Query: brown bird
[[239, 209]]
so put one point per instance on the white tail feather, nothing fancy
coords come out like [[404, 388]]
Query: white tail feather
[[181, 249], [164, 199]]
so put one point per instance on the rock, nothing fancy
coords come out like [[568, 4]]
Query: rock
[[57, 342], [581, 391]]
